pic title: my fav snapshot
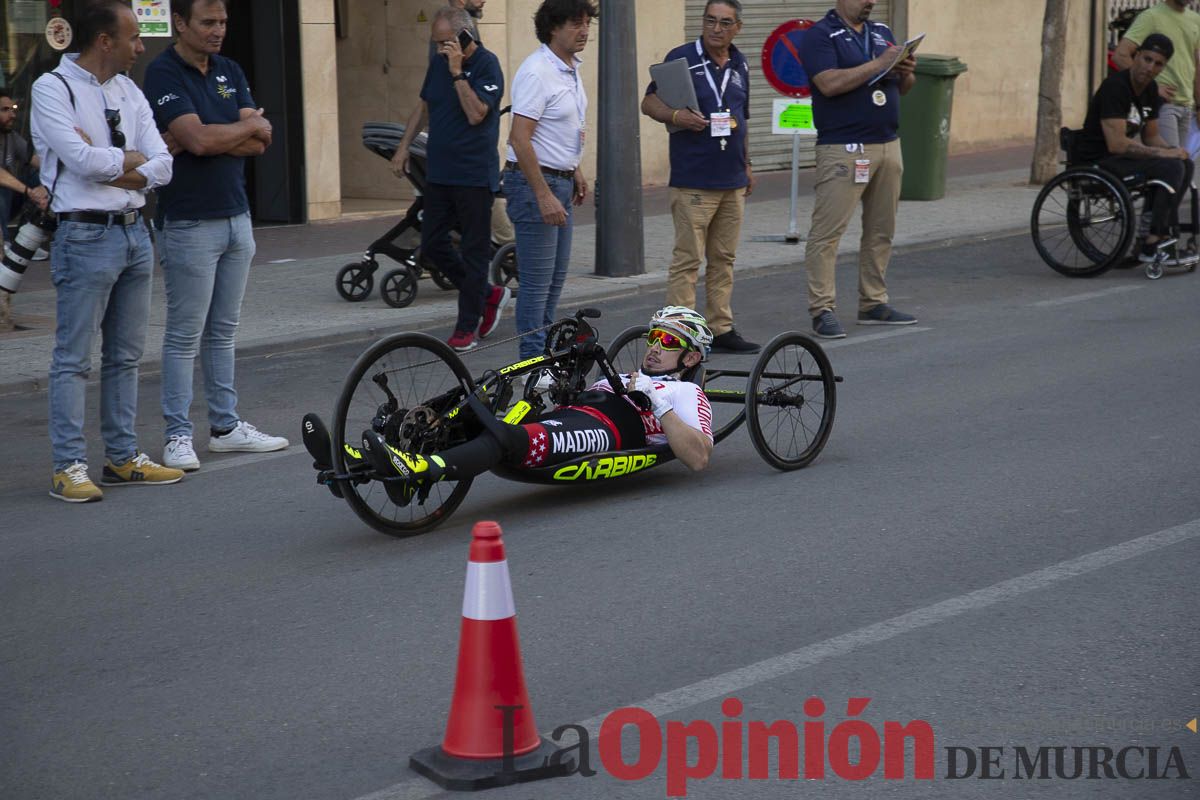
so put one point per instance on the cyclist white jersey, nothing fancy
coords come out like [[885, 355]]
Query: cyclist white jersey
[[687, 399]]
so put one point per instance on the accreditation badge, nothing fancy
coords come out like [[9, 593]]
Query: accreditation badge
[[720, 123], [879, 98]]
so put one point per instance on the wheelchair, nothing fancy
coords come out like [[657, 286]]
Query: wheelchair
[[1087, 220]]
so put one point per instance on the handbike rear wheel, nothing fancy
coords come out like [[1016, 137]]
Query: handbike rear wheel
[[791, 398], [415, 368], [626, 353]]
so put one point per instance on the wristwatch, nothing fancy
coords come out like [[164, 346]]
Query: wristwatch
[[462, 76]]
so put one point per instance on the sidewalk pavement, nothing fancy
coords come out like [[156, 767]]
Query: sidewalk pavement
[[291, 301]]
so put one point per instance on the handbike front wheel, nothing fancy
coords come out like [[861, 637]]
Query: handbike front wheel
[[395, 388], [791, 397], [628, 350]]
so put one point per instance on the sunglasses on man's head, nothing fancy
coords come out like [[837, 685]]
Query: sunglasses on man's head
[[665, 339], [113, 117]]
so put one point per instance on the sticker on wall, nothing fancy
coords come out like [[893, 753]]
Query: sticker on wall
[[421, 16], [58, 33], [154, 17]]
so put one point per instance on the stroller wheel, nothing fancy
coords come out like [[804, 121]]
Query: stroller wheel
[[355, 281], [503, 271], [399, 288], [439, 279]]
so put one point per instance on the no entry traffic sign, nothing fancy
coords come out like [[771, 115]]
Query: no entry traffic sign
[[781, 59]]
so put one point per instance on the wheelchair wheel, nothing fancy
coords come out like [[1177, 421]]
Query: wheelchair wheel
[[399, 387], [791, 397], [355, 281], [626, 353], [1083, 222], [399, 287], [503, 270]]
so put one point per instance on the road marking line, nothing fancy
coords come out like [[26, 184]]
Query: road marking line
[[676, 700], [1079, 298], [282, 261], [243, 461], [829, 344]]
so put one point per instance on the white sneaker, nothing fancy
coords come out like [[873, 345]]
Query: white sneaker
[[246, 438], [180, 454]]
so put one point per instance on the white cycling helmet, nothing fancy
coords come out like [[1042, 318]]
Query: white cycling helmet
[[688, 324]]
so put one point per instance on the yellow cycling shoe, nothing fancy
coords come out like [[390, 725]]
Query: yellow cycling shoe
[[139, 471], [404, 473]]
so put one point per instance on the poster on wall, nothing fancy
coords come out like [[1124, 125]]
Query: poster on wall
[[26, 16], [154, 17]]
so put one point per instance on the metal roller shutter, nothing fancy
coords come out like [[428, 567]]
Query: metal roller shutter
[[759, 18]]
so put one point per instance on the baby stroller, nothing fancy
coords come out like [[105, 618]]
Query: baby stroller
[[403, 242]]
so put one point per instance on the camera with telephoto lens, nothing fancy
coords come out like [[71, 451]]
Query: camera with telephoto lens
[[31, 236]]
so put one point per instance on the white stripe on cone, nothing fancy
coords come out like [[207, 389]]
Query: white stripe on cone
[[488, 595]]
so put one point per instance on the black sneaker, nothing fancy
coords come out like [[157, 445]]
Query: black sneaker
[[826, 326], [883, 314], [731, 342]]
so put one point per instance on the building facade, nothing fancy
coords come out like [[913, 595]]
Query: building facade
[[323, 68]]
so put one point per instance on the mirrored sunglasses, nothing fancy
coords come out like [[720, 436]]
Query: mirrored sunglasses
[[665, 339]]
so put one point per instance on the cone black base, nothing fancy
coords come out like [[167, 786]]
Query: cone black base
[[472, 774]]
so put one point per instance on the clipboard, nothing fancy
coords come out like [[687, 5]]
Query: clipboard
[[909, 48], [673, 80]]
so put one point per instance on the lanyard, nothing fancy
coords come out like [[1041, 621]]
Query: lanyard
[[868, 50], [720, 95]]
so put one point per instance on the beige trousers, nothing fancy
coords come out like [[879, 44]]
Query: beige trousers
[[836, 196], [708, 223], [502, 227]]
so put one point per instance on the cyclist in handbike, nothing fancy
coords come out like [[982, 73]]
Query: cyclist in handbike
[[664, 406]]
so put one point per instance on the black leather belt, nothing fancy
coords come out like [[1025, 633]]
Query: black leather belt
[[558, 173], [102, 217]]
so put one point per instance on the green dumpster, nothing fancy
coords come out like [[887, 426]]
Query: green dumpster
[[925, 126]]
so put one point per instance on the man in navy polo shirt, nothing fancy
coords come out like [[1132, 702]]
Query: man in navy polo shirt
[[711, 174], [857, 116], [202, 103], [460, 100]]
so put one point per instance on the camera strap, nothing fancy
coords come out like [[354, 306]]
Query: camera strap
[[58, 172]]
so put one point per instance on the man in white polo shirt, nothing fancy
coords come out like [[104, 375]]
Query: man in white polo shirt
[[542, 178]]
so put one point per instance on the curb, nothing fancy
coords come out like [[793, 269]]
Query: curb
[[575, 292]]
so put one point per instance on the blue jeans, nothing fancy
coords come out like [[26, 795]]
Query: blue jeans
[[102, 277], [206, 263], [543, 252]]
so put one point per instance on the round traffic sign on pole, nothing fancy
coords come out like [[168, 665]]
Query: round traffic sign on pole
[[781, 63]]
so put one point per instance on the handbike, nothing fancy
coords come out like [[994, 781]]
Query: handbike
[[415, 391]]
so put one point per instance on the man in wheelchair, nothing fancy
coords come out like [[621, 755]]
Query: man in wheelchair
[[1125, 109], [665, 406]]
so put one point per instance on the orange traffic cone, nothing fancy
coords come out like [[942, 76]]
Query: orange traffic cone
[[491, 738]]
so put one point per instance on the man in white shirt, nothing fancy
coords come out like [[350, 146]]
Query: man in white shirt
[[543, 178], [101, 152]]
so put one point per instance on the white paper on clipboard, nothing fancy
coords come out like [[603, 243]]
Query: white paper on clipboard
[[909, 48], [673, 81]]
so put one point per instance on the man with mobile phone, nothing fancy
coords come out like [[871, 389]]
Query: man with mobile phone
[[460, 100]]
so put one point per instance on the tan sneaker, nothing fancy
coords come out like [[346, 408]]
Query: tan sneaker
[[72, 485], [139, 471]]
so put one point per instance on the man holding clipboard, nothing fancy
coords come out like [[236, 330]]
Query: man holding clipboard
[[857, 116], [710, 164]]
